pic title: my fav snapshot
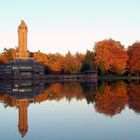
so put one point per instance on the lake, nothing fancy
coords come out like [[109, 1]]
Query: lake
[[69, 111]]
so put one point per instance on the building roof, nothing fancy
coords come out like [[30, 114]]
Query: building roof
[[23, 62]]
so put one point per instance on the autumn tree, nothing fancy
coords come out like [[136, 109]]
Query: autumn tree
[[3, 59], [78, 60], [134, 58], [55, 63], [69, 63], [10, 53], [112, 54], [41, 58], [72, 63]]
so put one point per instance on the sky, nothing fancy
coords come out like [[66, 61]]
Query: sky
[[56, 26]]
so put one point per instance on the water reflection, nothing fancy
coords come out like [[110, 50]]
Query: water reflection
[[107, 98], [20, 94], [111, 99]]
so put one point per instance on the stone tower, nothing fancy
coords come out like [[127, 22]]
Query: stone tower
[[22, 52]]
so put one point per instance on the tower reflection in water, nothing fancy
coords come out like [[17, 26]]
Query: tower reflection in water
[[21, 94]]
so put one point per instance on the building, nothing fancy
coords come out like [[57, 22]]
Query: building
[[23, 67]]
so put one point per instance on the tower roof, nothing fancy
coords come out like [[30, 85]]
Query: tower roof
[[22, 24], [23, 132]]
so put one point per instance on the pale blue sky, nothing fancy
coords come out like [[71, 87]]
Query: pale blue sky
[[62, 25]]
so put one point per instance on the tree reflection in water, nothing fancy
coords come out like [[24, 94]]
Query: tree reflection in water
[[112, 99], [107, 98], [134, 97]]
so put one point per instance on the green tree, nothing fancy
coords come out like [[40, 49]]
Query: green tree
[[88, 62], [101, 68]]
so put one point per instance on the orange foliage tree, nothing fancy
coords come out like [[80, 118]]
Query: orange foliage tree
[[112, 54], [73, 63], [58, 63], [3, 59], [41, 58], [10, 54], [134, 57], [53, 61], [112, 100]]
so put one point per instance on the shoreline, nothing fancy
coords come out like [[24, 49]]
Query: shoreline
[[73, 78], [108, 78]]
